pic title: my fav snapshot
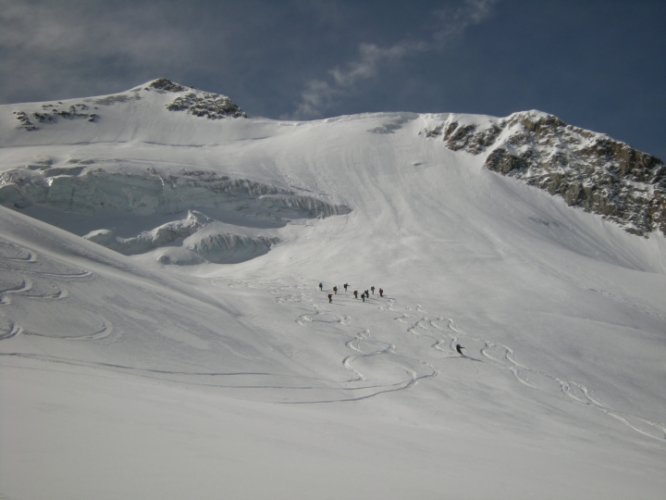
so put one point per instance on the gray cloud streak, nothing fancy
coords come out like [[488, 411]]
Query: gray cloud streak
[[319, 95]]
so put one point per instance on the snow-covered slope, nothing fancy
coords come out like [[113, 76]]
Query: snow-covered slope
[[124, 373]]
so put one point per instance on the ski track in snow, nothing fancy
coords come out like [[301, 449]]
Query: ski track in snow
[[24, 276], [443, 334], [362, 345], [504, 356]]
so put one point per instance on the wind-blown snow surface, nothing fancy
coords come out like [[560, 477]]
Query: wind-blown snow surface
[[122, 377]]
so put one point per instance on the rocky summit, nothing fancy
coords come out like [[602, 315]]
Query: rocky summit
[[586, 169]]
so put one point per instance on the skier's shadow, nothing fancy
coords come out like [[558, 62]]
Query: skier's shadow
[[459, 349], [471, 358], [463, 356]]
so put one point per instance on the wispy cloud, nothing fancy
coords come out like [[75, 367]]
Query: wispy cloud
[[319, 95]]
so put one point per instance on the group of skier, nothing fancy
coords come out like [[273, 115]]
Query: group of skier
[[364, 295]]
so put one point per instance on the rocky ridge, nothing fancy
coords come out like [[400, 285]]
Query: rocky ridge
[[197, 103], [52, 113], [587, 169], [192, 101]]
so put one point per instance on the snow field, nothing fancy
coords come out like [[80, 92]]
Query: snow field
[[125, 377]]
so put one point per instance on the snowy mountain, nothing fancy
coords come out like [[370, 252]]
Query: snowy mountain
[[587, 169], [163, 334]]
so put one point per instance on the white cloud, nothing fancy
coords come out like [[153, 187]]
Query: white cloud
[[321, 94]]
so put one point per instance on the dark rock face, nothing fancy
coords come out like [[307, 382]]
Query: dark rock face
[[166, 85], [587, 169], [25, 121], [211, 106], [203, 104], [500, 160], [467, 138], [52, 113]]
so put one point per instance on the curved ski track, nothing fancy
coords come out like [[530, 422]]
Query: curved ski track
[[442, 335], [26, 277]]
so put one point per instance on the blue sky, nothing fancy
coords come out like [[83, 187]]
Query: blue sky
[[598, 64]]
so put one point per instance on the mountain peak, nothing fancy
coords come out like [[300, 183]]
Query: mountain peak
[[165, 84], [160, 92], [194, 101], [587, 169]]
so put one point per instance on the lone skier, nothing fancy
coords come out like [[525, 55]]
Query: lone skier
[[373, 289], [459, 348], [321, 287], [335, 290], [330, 298], [346, 285], [356, 294], [381, 292]]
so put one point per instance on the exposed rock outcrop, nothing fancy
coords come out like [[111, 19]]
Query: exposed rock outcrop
[[180, 98], [587, 169], [52, 113], [212, 106]]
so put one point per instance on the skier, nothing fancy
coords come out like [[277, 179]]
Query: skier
[[335, 290], [459, 348], [356, 294], [367, 294], [346, 285], [381, 292], [373, 289], [363, 296], [321, 287], [330, 298]]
